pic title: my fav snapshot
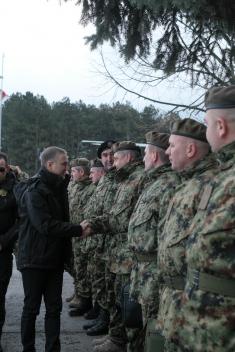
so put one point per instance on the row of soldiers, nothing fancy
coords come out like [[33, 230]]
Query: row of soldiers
[[165, 229]]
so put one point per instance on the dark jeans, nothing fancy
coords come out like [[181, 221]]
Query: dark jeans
[[40, 283], [5, 275]]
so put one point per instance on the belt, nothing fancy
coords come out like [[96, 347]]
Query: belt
[[210, 283], [175, 282], [151, 257]]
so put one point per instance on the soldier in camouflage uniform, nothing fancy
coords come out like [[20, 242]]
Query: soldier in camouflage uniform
[[188, 153], [94, 244], [144, 223], [101, 203], [19, 174], [207, 319], [80, 191], [116, 220]]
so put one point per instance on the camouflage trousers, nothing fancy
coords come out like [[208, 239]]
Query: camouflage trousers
[[96, 277], [81, 282], [144, 288], [117, 331]]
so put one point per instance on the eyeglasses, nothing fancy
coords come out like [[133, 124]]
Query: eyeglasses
[[2, 169]]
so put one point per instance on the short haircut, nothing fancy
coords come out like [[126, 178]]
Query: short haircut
[[228, 114], [135, 154], [4, 157], [85, 168], [50, 153], [161, 152]]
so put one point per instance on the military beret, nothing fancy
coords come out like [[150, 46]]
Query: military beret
[[126, 145], [220, 98], [160, 140], [105, 145], [80, 162], [189, 128], [96, 163]]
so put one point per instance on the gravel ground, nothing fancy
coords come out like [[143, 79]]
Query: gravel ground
[[73, 338]]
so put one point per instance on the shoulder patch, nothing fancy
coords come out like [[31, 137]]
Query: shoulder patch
[[169, 209], [205, 197]]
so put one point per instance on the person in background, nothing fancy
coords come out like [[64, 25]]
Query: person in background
[[8, 231]]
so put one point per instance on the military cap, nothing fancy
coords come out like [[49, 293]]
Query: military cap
[[160, 140], [105, 145], [96, 163], [126, 145], [189, 128], [80, 162], [220, 98]]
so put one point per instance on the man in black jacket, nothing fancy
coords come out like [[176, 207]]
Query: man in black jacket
[[44, 246], [8, 233]]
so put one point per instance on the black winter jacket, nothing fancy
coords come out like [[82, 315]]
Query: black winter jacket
[[8, 213], [44, 232]]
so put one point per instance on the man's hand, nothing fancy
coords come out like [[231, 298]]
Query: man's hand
[[86, 228]]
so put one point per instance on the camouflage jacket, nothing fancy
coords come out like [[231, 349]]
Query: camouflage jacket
[[172, 241], [116, 219], [150, 208], [210, 250], [213, 229], [100, 203], [179, 215], [79, 194]]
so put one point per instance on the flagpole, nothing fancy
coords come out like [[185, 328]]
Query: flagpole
[[1, 96]]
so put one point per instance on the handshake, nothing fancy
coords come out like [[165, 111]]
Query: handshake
[[86, 228]]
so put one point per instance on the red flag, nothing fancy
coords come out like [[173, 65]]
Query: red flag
[[3, 94]]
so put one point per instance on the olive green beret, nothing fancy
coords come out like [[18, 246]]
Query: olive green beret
[[220, 98], [126, 145], [189, 128], [80, 162], [160, 140], [96, 163]]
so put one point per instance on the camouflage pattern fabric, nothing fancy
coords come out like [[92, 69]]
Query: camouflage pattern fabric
[[120, 258], [79, 194], [207, 319], [97, 244], [130, 180], [173, 238], [143, 232]]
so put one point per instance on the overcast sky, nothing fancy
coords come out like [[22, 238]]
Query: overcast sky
[[45, 53]]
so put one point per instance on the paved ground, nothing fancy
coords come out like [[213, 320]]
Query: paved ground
[[73, 338]]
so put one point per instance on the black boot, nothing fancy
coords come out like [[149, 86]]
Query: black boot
[[92, 313], [84, 306], [91, 323], [102, 326], [1, 350]]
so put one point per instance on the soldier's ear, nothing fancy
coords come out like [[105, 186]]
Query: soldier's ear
[[191, 150], [156, 156], [221, 127]]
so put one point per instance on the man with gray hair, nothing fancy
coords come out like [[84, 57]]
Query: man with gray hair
[[44, 246]]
